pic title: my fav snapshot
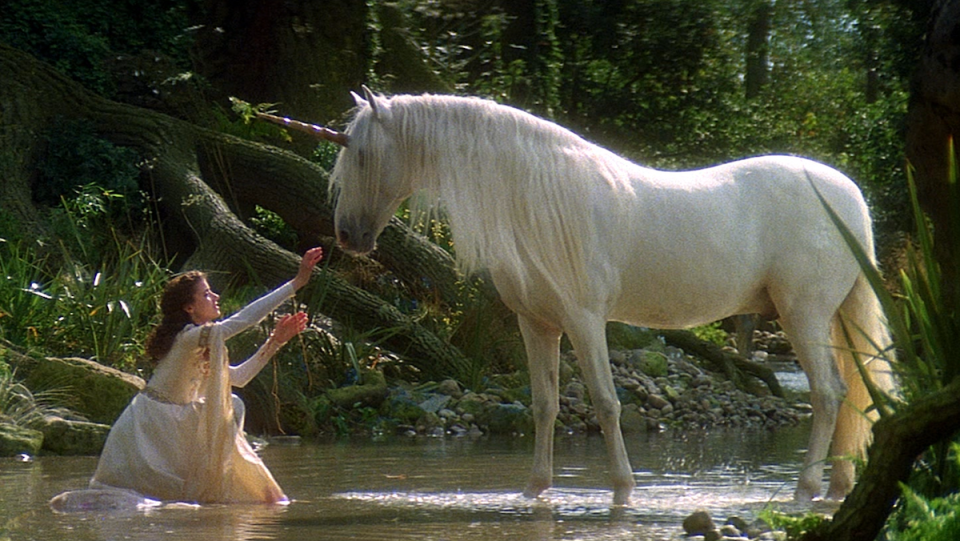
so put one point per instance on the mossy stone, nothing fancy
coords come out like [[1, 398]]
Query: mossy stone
[[15, 440]]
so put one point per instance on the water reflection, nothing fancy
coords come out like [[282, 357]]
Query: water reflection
[[449, 489]]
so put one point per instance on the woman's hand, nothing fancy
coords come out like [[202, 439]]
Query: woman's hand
[[307, 263], [289, 326]]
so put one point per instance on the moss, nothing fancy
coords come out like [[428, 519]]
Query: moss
[[623, 336], [97, 392], [651, 363], [371, 393], [16, 439]]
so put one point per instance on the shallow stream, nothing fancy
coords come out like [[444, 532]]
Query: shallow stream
[[441, 489]]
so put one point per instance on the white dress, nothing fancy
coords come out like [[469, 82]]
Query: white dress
[[180, 439]]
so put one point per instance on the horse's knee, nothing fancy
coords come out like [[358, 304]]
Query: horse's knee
[[607, 409], [545, 409], [828, 399]]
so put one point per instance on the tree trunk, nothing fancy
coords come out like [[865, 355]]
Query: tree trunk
[[32, 94], [933, 119], [758, 47], [898, 441]]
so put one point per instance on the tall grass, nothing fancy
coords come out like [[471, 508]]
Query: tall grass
[[90, 291], [21, 407]]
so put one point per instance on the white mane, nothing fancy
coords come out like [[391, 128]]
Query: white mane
[[529, 200]]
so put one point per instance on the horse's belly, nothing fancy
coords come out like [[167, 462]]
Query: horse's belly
[[677, 309]]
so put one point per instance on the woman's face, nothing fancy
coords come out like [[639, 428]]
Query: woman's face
[[205, 307]]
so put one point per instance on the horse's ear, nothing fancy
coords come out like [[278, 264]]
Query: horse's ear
[[357, 100], [379, 108]]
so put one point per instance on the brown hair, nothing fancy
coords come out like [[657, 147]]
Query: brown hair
[[176, 294]]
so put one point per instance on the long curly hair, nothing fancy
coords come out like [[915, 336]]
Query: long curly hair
[[178, 293]]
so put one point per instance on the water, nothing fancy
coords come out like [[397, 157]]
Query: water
[[440, 489]]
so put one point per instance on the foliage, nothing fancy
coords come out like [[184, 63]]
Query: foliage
[[271, 226], [922, 519], [81, 37], [80, 300], [794, 525], [21, 407], [486, 332], [243, 122], [711, 333], [77, 158]]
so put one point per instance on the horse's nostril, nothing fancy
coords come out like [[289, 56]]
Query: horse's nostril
[[343, 236]]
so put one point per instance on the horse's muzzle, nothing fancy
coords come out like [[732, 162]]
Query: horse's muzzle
[[356, 242]]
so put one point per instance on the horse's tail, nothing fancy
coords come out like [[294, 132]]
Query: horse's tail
[[859, 333]]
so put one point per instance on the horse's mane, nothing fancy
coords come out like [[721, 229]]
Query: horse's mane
[[519, 191]]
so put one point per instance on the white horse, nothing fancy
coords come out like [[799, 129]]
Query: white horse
[[574, 235]]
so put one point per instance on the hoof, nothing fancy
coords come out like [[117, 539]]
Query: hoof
[[805, 495], [535, 489]]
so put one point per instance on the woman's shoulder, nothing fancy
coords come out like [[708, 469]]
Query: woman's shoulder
[[200, 335]]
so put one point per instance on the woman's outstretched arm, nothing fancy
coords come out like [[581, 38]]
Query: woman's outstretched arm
[[289, 326], [254, 312]]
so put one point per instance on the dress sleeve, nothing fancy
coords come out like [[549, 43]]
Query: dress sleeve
[[243, 373], [254, 312]]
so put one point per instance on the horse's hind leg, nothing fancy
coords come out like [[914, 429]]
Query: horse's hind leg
[[542, 344], [810, 336], [589, 341]]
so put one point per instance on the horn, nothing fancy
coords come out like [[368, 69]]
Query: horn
[[319, 132]]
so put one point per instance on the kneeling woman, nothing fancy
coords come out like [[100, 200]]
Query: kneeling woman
[[181, 438]]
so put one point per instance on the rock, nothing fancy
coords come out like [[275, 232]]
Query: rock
[[435, 403], [509, 419], [701, 380], [371, 393], [68, 437], [652, 363], [738, 523], [15, 440], [699, 523], [729, 530], [450, 387], [576, 390], [631, 420], [428, 422], [657, 402], [97, 392]]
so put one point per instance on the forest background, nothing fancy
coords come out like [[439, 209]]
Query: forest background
[[88, 235]]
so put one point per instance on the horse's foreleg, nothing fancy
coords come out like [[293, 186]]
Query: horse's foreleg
[[827, 390], [542, 344], [590, 343]]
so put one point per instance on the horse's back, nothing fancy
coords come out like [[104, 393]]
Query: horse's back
[[713, 242]]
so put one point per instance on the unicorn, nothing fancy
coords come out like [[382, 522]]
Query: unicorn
[[573, 235]]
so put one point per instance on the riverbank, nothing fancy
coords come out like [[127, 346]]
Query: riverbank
[[659, 388]]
